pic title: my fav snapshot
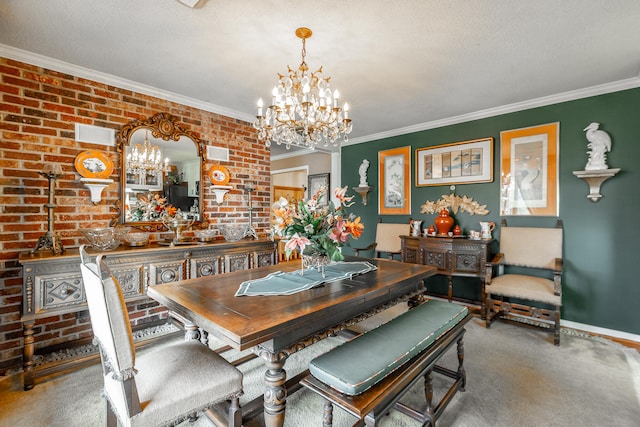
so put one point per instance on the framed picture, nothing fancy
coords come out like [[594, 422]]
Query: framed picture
[[292, 194], [315, 182], [529, 170], [393, 181], [457, 163]]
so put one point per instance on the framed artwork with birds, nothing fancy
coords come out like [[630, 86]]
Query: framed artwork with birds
[[529, 170]]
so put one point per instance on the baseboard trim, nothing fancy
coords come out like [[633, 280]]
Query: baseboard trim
[[625, 338]]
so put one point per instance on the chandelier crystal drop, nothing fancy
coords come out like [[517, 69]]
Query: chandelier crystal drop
[[146, 158], [303, 111]]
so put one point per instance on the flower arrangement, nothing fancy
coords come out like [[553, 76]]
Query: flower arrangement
[[150, 207], [319, 229]]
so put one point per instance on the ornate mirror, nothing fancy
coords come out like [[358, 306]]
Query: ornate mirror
[[161, 171]]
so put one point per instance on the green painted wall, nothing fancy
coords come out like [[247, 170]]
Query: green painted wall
[[601, 285]]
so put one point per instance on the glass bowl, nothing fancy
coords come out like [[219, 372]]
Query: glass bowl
[[208, 235], [105, 239], [137, 238], [233, 232]]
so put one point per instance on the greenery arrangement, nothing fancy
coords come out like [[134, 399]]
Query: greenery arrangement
[[314, 229]]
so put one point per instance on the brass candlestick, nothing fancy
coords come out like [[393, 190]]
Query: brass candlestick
[[50, 240]]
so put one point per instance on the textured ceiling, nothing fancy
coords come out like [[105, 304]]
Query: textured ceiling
[[400, 64]]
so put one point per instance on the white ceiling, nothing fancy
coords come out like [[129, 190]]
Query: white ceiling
[[403, 65]]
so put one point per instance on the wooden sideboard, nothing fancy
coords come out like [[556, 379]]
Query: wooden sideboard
[[460, 257], [52, 284]]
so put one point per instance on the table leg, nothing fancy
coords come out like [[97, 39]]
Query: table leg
[[275, 393]]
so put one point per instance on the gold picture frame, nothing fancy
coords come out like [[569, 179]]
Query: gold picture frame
[[394, 181], [463, 162], [529, 171]]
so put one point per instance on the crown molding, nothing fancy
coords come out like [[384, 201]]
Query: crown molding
[[109, 79], [631, 83], [76, 70]]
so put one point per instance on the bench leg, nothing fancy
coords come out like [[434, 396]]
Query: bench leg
[[461, 372], [327, 416], [429, 413]]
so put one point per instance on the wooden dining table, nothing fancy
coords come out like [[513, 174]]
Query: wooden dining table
[[274, 327]]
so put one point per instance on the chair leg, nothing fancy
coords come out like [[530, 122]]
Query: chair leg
[[110, 416], [235, 413], [556, 331]]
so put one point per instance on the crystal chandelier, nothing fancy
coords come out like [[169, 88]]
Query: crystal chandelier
[[303, 110], [146, 158]]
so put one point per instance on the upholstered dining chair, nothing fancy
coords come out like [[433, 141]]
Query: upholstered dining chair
[[534, 292], [387, 239], [164, 386]]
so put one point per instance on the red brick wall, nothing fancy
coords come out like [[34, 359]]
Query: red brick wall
[[39, 108]]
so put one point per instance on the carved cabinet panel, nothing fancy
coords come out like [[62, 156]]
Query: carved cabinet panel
[[166, 272], [205, 266], [236, 262]]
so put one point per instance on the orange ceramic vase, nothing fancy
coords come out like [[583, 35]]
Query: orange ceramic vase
[[443, 222]]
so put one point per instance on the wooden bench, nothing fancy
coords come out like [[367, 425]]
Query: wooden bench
[[368, 375]]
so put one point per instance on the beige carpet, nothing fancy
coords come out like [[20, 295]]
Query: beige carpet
[[516, 377]]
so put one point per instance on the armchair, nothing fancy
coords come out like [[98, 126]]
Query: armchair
[[161, 387], [527, 296], [387, 239]]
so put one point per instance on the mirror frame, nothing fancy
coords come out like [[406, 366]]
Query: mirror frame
[[167, 127]]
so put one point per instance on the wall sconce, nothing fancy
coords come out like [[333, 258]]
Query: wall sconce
[[220, 191], [95, 186], [363, 190]]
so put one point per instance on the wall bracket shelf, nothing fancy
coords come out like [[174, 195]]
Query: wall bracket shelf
[[595, 178], [95, 186], [363, 190], [220, 191]]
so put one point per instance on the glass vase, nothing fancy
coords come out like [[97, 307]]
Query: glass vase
[[315, 260]]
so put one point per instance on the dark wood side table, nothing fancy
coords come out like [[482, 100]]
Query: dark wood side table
[[452, 256]]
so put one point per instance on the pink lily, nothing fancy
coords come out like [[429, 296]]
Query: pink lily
[[297, 241], [340, 194], [338, 234]]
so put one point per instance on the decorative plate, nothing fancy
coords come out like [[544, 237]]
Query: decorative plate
[[93, 164], [219, 175]]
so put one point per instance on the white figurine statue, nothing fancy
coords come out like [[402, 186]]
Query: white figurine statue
[[363, 173], [599, 144]]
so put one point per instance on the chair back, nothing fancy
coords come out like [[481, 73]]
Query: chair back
[[531, 247], [388, 236], [109, 317]]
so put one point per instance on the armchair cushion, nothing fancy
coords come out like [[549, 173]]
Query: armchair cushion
[[525, 287], [165, 374]]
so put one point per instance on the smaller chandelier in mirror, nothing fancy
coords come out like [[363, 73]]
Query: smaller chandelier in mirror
[[144, 162], [303, 111]]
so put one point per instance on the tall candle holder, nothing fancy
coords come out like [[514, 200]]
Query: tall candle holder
[[50, 240], [251, 232]]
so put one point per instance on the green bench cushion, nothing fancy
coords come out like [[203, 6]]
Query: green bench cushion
[[357, 365]]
